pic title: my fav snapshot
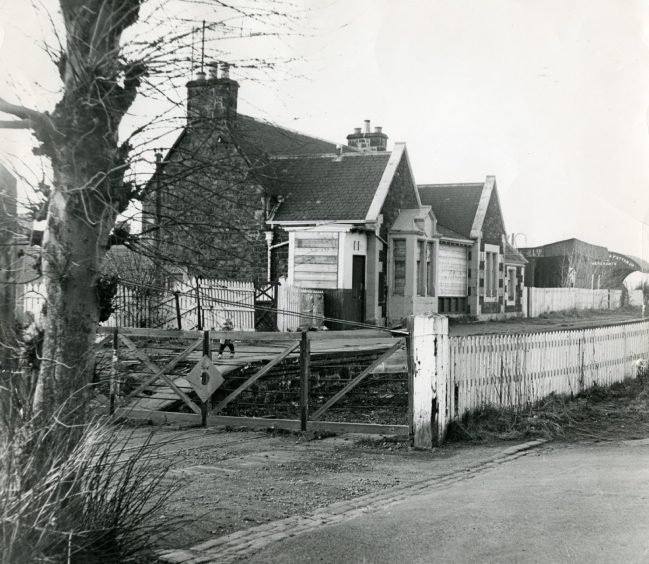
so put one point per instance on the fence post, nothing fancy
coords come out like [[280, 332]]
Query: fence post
[[428, 379], [305, 371], [114, 372], [204, 377]]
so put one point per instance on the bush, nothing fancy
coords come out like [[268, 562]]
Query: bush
[[88, 501]]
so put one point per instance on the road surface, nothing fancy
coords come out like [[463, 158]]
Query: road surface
[[577, 503]]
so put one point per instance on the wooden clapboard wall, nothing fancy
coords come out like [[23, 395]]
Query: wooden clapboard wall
[[316, 260]]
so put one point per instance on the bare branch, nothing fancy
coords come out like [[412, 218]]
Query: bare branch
[[20, 111], [17, 124]]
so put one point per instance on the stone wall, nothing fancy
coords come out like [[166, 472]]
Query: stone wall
[[212, 213]]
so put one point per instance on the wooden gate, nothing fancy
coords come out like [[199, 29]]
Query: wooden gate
[[350, 380], [266, 306]]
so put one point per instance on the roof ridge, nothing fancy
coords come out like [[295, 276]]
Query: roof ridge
[[328, 155], [295, 131], [481, 183]]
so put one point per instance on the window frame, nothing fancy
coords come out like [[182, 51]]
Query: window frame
[[491, 262], [398, 289]]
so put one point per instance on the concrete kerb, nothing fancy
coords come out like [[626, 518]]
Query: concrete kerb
[[235, 545]]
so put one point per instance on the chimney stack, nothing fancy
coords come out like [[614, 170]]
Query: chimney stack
[[367, 141], [213, 102]]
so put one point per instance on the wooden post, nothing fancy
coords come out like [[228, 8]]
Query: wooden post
[[179, 320], [428, 379], [305, 371], [206, 353], [199, 315], [114, 375]]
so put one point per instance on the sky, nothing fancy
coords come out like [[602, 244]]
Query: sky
[[549, 96]]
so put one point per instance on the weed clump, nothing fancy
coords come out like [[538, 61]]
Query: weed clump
[[600, 413], [63, 499]]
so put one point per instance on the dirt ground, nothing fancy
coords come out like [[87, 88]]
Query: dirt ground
[[234, 480], [560, 321]]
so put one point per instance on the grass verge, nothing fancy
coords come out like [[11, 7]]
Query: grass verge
[[600, 413]]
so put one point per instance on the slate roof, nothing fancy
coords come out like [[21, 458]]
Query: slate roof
[[325, 187], [258, 139], [448, 232], [513, 256], [453, 204]]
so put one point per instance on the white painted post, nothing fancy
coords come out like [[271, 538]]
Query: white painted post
[[429, 379]]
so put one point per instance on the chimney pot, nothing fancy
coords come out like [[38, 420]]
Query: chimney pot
[[357, 130], [367, 126], [214, 70], [378, 129], [200, 76], [225, 70]]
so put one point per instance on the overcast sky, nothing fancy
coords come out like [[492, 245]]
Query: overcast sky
[[550, 96]]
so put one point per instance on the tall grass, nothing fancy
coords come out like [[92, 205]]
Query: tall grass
[[84, 495]]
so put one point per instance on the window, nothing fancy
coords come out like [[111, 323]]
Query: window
[[491, 273], [421, 265], [430, 273], [399, 259], [511, 285]]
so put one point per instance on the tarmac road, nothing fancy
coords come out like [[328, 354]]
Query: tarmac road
[[576, 503]]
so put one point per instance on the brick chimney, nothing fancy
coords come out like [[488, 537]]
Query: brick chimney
[[366, 140], [212, 100]]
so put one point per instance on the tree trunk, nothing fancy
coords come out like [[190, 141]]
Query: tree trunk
[[73, 249]]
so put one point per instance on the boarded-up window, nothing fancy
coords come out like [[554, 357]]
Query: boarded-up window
[[315, 263], [452, 271], [399, 259]]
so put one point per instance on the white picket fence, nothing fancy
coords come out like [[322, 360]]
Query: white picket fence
[[307, 304], [219, 300], [514, 370], [546, 300], [216, 300]]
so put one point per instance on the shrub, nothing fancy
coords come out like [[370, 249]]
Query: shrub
[[87, 501]]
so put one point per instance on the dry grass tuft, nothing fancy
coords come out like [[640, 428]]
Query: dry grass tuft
[[599, 413], [94, 500]]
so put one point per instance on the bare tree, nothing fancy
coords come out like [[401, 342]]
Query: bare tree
[[94, 170]]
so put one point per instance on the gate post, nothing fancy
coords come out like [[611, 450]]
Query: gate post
[[305, 371], [428, 379], [207, 353]]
